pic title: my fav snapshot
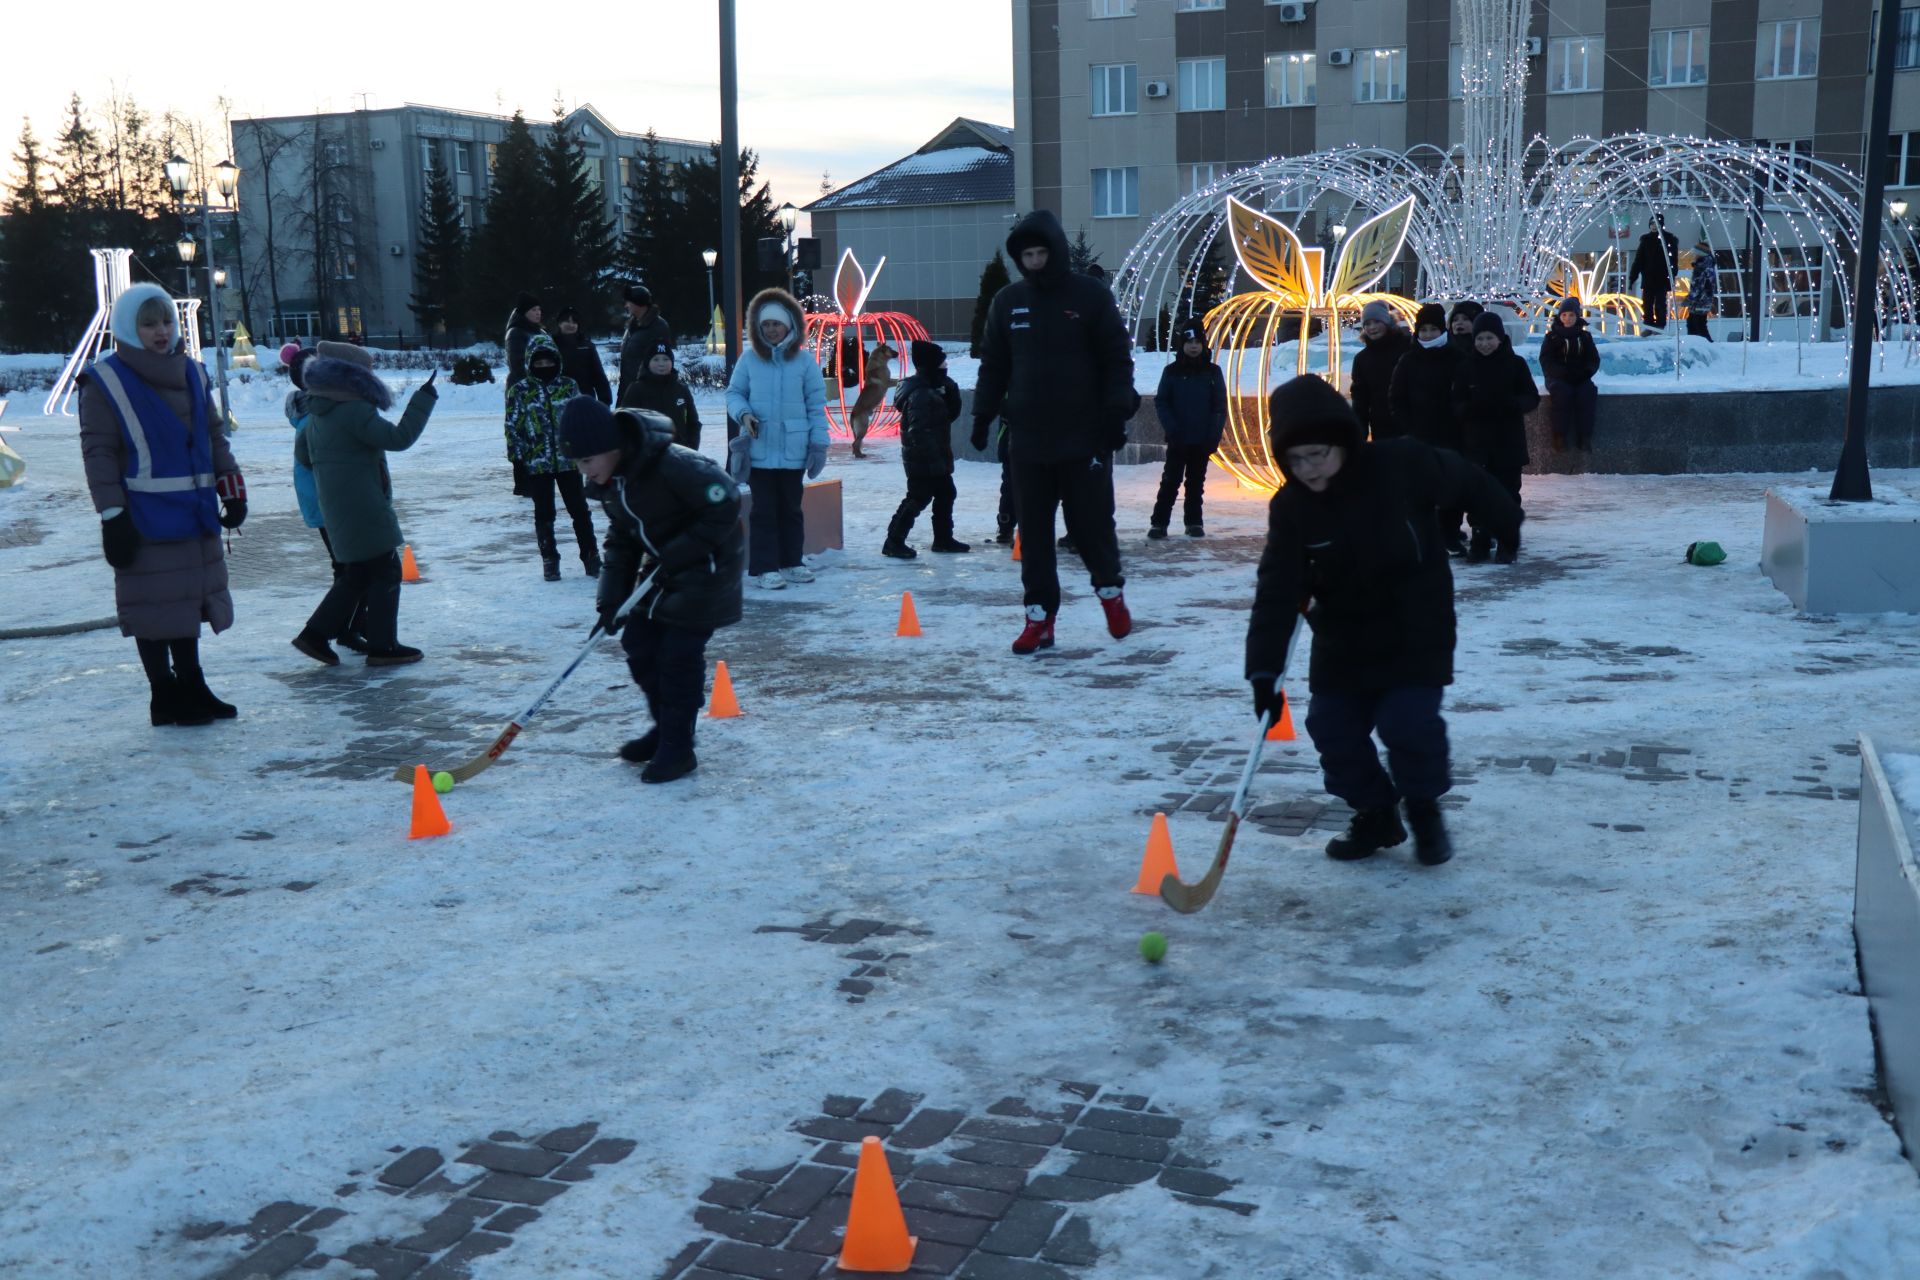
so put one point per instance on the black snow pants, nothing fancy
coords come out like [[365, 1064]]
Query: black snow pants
[[1084, 488]]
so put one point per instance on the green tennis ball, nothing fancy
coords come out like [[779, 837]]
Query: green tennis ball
[[1153, 946], [443, 782]]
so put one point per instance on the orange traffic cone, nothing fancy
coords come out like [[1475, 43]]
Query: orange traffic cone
[[877, 1238], [1016, 544], [409, 571], [1282, 730], [1157, 863], [723, 704], [909, 620], [429, 819]]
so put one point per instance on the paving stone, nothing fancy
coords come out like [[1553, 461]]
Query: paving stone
[[532, 1161], [821, 1233], [856, 986], [1042, 1133], [733, 1193], [454, 1265], [1020, 1109], [1153, 1126], [891, 1107], [1127, 1173], [1024, 1229], [513, 1187], [841, 1106], [732, 1257], [321, 1219], [448, 1226], [1072, 1244], [385, 1263], [504, 1135], [928, 1127], [1206, 1202], [1058, 1186], [276, 1258], [835, 1130], [868, 954], [568, 1140], [511, 1220], [766, 1175], [1011, 1155], [271, 1221], [984, 1266], [930, 1258], [436, 1185], [801, 1191], [603, 1151], [1126, 1101], [314, 1262], [988, 1177], [1128, 1146], [197, 1231], [971, 1202], [1194, 1182], [411, 1167], [754, 1228], [680, 1261], [947, 1228], [853, 931]]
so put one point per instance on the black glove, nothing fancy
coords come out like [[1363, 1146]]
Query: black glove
[[608, 623], [980, 426], [1265, 698], [233, 513], [120, 539], [1118, 440]]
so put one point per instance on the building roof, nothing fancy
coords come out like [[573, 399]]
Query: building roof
[[968, 162]]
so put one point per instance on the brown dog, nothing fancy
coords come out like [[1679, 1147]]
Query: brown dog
[[873, 392]]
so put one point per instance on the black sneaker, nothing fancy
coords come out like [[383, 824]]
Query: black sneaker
[[1431, 844], [1478, 553], [1370, 831], [951, 546], [641, 749], [1506, 554], [1196, 531], [317, 649], [397, 656], [590, 564], [1156, 532], [551, 569], [1004, 536], [897, 549], [665, 768]]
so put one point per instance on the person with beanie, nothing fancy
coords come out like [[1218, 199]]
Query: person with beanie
[[579, 359], [675, 514], [1056, 359], [165, 484], [646, 330], [1568, 361], [540, 462], [1653, 264], [1191, 403], [346, 442], [777, 396], [929, 404], [1352, 544], [1422, 397], [1493, 392], [1703, 290], [1371, 381], [521, 325], [659, 389], [295, 357], [1460, 325]]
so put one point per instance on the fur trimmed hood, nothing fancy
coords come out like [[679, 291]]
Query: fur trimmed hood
[[765, 300], [332, 379], [124, 325]]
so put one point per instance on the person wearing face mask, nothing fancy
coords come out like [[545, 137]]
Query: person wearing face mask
[[777, 396], [1422, 396], [1371, 383], [1352, 543], [164, 481], [579, 359], [540, 461], [1493, 392], [660, 389]]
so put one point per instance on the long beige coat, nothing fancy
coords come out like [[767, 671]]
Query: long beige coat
[[171, 587]]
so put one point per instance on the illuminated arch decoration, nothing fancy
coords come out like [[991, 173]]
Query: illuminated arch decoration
[[1588, 288], [1294, 284], [827, 329]]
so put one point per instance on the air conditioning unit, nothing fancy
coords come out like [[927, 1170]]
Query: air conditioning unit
[[1535, 46], [1293, 12], [397, 250], [1339, 57], [1157, 89], [377, 144]]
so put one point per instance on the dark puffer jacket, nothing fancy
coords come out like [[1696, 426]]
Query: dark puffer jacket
[[1055, 357], [637, 344], [1373, 383], [519, 329], [1191, 401], [580, 360], [1492, 396], [670, 398], [669, 505], [929, 402], [1422, 394], [1568, 355]]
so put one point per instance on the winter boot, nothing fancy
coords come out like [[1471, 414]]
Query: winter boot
[[317, 649], [1507, 554], [398, 656], [550, 568], [590, 560], [1119, 620], [1455, 544], [641, 749], [1196, 530], [169, 707], [1370, 831], [898, 549], [672, 761], [1431, 844], [1479, 549], [1156, 532], [1038, 633], [944, 542], [352, 639], [1004, 535], [195, 696]]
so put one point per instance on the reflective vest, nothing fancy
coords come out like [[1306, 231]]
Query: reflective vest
[[169, 475]]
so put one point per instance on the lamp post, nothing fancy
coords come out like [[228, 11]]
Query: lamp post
[[226, 179], [788, 216], [186, 247], [709, 256]]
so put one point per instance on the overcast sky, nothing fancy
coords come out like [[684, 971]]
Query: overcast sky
[[832, 84]]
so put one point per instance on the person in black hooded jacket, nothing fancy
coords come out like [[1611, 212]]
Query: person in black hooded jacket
[[1568, 361], [1191, 403], [660, 389], [1493, 392], [521, 325], [579, 359], [1371, 383], [1352, 542], [1056, 358], [677, 513], [929, 402], [1460, 325], [1422, 396]]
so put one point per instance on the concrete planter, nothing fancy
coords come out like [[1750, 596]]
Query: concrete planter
[[1843, 557], [1886, 929]]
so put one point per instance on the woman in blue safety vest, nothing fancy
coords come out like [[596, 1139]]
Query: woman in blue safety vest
[[165, 484]]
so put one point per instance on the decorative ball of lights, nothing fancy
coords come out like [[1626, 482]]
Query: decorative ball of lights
[[846, 329]]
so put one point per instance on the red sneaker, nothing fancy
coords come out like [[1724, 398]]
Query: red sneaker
[[1038, 633], [1119, 621]]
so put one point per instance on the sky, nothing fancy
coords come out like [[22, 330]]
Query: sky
[[833, 85]]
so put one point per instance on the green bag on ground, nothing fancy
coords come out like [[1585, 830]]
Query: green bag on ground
[[1706, 553]]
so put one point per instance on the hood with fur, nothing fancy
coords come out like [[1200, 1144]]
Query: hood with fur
[[333, 379], [764, 301], [1040, 229], [123, 324]]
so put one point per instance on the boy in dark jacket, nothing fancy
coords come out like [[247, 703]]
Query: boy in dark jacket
[[521, 325], [1352, 543], [677, 513], [1460, 325], [1192, 405], [660, 389], [1568, 360], [578, 358], [1493, 393], [1422, 396], [1372, 380], [928, 401]]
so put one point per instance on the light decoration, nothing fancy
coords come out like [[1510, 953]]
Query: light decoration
[[1588, 287], [852, 322], [244, 356]]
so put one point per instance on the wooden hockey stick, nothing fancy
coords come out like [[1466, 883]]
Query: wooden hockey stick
[[500, 744]]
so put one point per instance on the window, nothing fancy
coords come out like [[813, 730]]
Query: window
[[1203, 84], [348, 320], [426, 154], [343, 262], [1906, 53], [1798, 151], [1903, 160], [1189, 6], [332, 153], [1116, 193], [1677, 57], [1292, 199], [1787, 50], [462, 162], [1456, 87], [1292, 80], [1573, 64], [1379, 75], [1113, 8], [493, 155], [626, 171], [342, 211], [1201, 175], [1115, 89]]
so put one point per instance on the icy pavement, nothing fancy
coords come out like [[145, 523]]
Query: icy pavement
[[1619, 1036]]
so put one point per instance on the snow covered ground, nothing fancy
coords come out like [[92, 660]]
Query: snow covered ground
[[1619, 1036]]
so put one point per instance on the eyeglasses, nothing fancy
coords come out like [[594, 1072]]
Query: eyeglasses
[[1309, 456]]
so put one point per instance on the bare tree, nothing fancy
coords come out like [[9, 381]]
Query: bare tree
[[270, 146]]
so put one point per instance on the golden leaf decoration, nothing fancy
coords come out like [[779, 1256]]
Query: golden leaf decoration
[[1271, 253], [849, 285], [1370, 250]]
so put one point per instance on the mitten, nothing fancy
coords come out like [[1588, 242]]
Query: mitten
[[816, 460], [980, 426], [233, 513], [1265, 699], [232, 489], [119, 539], [739, 458]]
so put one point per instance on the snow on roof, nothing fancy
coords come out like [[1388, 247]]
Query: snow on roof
[[962, 174]]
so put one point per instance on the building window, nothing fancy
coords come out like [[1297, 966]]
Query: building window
[[1201, 175], [493, 155], [462, 162], [1573, 64], [1903, 160], [1293, 199], [1906, 52], [1798, 150], [1116, 193], [344, 264], [1203, 84], [1113, 8], [1292, 80], [626, 171], [1189, 6], [426, 154], [342, 211], [1788, 50], [1379, 75], [1677, 57], [1115, 89], [333, 154], [1456, 87]]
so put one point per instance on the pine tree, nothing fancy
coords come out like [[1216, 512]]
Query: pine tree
[[993, 278], [440, 269], [35, 252], [580, 238], [79, 165], [509, 251], [1081, 255], [698, 186], [1209, 287], [654, 219]]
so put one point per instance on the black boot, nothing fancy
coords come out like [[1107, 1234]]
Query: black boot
[[168, 707], [641, 749], [1431, 843], [320, 651], [551, 568], [1370, 831], [590, 560], [899, 550], [196, 697], [674, 757]]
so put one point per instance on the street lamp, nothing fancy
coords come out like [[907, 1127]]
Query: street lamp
[[226, 180], [220, 278], [1898, 208], [709, 256], [186, 248], [788, 216]]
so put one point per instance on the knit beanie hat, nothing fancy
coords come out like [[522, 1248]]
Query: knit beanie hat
[[639, 295], [660, 349], [927, 356], [1377, 310], [1430, 314], [1471, 310], [1306, 410], [525, 303], [344, 351], [1570, 304], [1191, 330], [587, 428], [295, 357], [1489, 322], [566, 313]]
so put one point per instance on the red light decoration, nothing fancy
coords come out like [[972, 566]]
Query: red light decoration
[[828, 331]]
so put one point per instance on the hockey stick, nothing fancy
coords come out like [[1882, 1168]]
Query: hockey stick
[[500, 744]]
